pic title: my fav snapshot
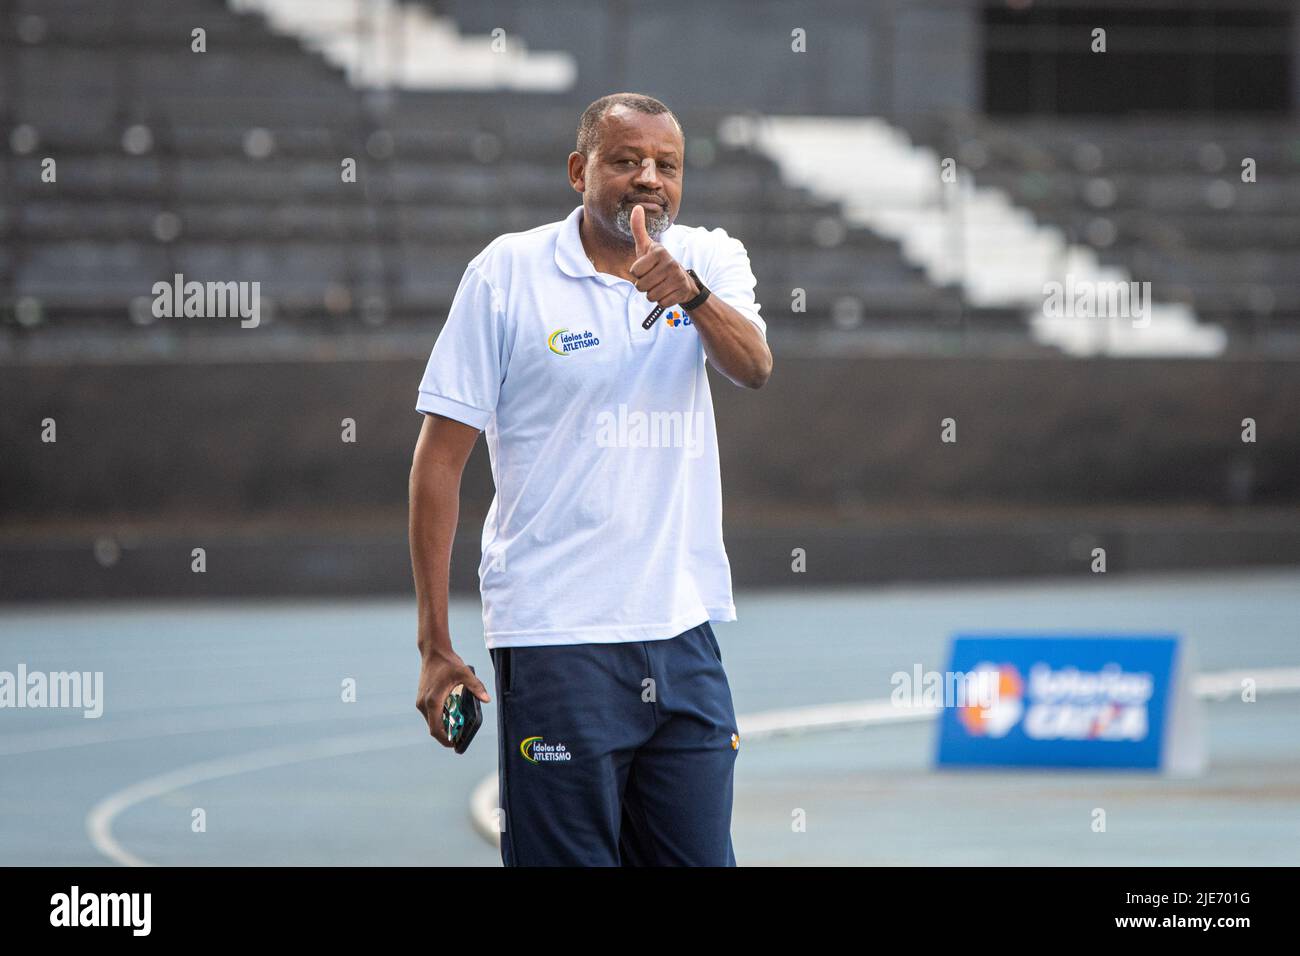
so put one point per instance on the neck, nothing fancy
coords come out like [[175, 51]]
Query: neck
[[608, 254]]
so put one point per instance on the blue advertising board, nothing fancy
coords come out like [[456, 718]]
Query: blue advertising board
[[1068, 700]]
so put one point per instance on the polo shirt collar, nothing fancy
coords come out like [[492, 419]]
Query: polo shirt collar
[[572, 258], [569, 254]]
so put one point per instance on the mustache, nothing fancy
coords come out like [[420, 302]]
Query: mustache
[[656, 223]]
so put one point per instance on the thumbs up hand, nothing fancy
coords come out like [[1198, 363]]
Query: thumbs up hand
[[639, 233], [655, 272]]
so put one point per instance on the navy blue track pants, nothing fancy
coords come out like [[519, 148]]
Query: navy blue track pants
[[616, 754]]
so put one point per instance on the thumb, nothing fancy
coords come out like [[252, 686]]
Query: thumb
[[475, 686], [639, 232]]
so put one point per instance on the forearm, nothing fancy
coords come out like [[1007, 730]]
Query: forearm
[[434, 514], [732, 343]]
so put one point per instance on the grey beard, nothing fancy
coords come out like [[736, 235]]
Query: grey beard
[[656, 226]]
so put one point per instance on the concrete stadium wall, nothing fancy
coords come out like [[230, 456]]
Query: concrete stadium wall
[[261, 438], [838, 456]]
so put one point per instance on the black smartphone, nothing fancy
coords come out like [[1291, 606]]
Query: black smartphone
[[461, 716]]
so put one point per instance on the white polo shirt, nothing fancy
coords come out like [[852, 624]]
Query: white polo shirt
[[607, 520]]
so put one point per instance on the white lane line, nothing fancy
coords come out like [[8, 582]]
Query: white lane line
[[483, 809], [99, 821], [1224, 684]]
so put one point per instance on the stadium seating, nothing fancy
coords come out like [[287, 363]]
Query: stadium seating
[[1164, 198], [226, 165]]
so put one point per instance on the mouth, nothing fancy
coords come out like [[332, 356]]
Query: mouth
[[644, 202]]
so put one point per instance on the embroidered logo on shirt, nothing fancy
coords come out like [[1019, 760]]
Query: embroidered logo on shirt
[[563, 342], [536, 750], [675, 317], [735, 741]]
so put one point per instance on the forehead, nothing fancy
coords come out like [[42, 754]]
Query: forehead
[[623, 128]]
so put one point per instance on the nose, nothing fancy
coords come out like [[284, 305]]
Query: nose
[[649, 172]]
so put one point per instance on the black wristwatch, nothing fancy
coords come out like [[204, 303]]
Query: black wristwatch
[[698, 301], [695, 303]]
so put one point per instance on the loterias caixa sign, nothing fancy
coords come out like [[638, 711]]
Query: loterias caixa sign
[[1074, 700]]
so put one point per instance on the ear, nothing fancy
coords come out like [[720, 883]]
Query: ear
[[577, 171]]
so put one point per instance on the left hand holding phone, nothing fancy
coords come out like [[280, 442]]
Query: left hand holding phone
[[444, 677]]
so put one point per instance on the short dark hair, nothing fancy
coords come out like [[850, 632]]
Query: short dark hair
[[589, 124]]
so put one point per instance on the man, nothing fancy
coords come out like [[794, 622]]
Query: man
[[602, 561]]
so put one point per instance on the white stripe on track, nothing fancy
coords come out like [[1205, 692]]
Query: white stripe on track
[[99, 821]]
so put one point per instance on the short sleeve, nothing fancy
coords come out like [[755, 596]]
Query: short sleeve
[[463, 378], [730, 277]]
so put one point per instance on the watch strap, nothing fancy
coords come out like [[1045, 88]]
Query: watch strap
[[699, 300]]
